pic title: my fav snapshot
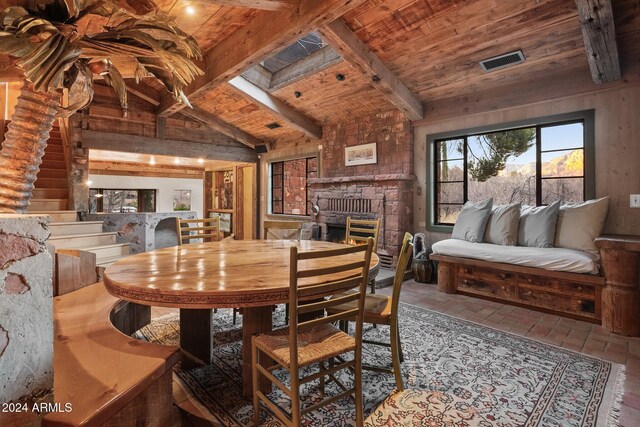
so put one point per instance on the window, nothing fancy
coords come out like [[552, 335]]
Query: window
[[534, 164], [115, 200], [289, 188]]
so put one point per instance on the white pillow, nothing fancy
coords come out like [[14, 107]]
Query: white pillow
[[472, 221], [502, 226], [537, 227], [580, 223]]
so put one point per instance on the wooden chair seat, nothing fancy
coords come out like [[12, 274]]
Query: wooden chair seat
[[109, 378], [314, 345], [377, 308]]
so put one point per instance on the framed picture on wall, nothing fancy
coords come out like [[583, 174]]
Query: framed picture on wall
[[181, 200], [360, 155]]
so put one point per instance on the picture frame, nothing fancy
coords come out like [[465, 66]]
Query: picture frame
[[365, 154]]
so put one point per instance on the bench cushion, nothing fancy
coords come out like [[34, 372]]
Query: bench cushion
[[555, 259]]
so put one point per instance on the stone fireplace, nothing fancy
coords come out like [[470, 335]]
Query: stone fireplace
[[383, 190]]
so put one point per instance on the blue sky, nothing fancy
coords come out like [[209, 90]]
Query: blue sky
[[553, 138]]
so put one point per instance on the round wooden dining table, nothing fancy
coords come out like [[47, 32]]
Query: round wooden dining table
[[196, 278]]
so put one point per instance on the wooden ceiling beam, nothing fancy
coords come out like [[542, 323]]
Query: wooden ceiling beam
[[259, 76], [272, 104], [358, 54], [223, 127], [267, 32], [273, 5], [222, 148], [100, 167], [145, 93], [599, 34], [314, 63]]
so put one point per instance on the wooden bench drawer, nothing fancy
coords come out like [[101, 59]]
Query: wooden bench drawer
[[484, 274], [553, 284], [552, 300], [478, 286]]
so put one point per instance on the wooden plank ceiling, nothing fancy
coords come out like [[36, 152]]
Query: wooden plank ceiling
[[429, 48]]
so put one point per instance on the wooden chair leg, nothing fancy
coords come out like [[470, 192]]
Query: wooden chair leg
[[286, 314], [401, 354], [254, 367], [396, 358], [359, 400], [296, 412], [322, 381], [372, 283], [235, 316]]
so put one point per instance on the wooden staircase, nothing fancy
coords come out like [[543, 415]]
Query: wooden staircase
[[51, 197]]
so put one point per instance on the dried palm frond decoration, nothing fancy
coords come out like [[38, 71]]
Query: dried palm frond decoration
[[44, 41]]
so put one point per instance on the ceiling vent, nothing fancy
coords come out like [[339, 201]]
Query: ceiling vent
[[502, 61], [274, 125]]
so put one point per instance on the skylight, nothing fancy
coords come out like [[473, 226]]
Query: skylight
[[302, 48]]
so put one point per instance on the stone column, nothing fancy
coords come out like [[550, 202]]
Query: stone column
[[26, 308]]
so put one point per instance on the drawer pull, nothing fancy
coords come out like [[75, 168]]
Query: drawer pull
[[528, 293], [503, 276], [530, 280], [579, 288], [579, 301], [503, 287]]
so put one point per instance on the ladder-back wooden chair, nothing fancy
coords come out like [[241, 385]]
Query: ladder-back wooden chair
[[285, 230], [383, 310], [313, 276], [358, 231], [205, 229]]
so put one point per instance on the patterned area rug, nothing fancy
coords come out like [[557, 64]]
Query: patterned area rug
[[472, 375]]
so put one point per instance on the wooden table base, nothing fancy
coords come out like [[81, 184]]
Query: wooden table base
[[195, 336]]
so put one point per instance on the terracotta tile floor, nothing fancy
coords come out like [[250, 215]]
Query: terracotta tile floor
[[576, 335]]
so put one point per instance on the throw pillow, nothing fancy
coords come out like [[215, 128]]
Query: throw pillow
[[502, 226], [580, 223], [472, 221], [537, 227]]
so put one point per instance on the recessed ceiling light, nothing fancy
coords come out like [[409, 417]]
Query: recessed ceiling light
[[200, 160], [89, 182], [176, 161], [190, 10], [152, 161]]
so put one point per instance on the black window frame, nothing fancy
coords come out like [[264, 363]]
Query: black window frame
[[280, 190], [100, 200], [585, 117]]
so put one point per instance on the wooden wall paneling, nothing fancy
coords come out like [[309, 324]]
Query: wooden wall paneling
[[239, 202], [208, 192], [617, 134]]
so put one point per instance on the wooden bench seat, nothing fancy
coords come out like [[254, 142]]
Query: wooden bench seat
[[109, 378], [572, 295]]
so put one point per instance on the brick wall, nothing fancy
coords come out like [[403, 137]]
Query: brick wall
[[391, 132], [388, 184]]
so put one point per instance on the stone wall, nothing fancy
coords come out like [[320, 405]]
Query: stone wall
[[26, 308], [382, 190]]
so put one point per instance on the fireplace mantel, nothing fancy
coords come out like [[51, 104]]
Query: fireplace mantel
[[313, 182]]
